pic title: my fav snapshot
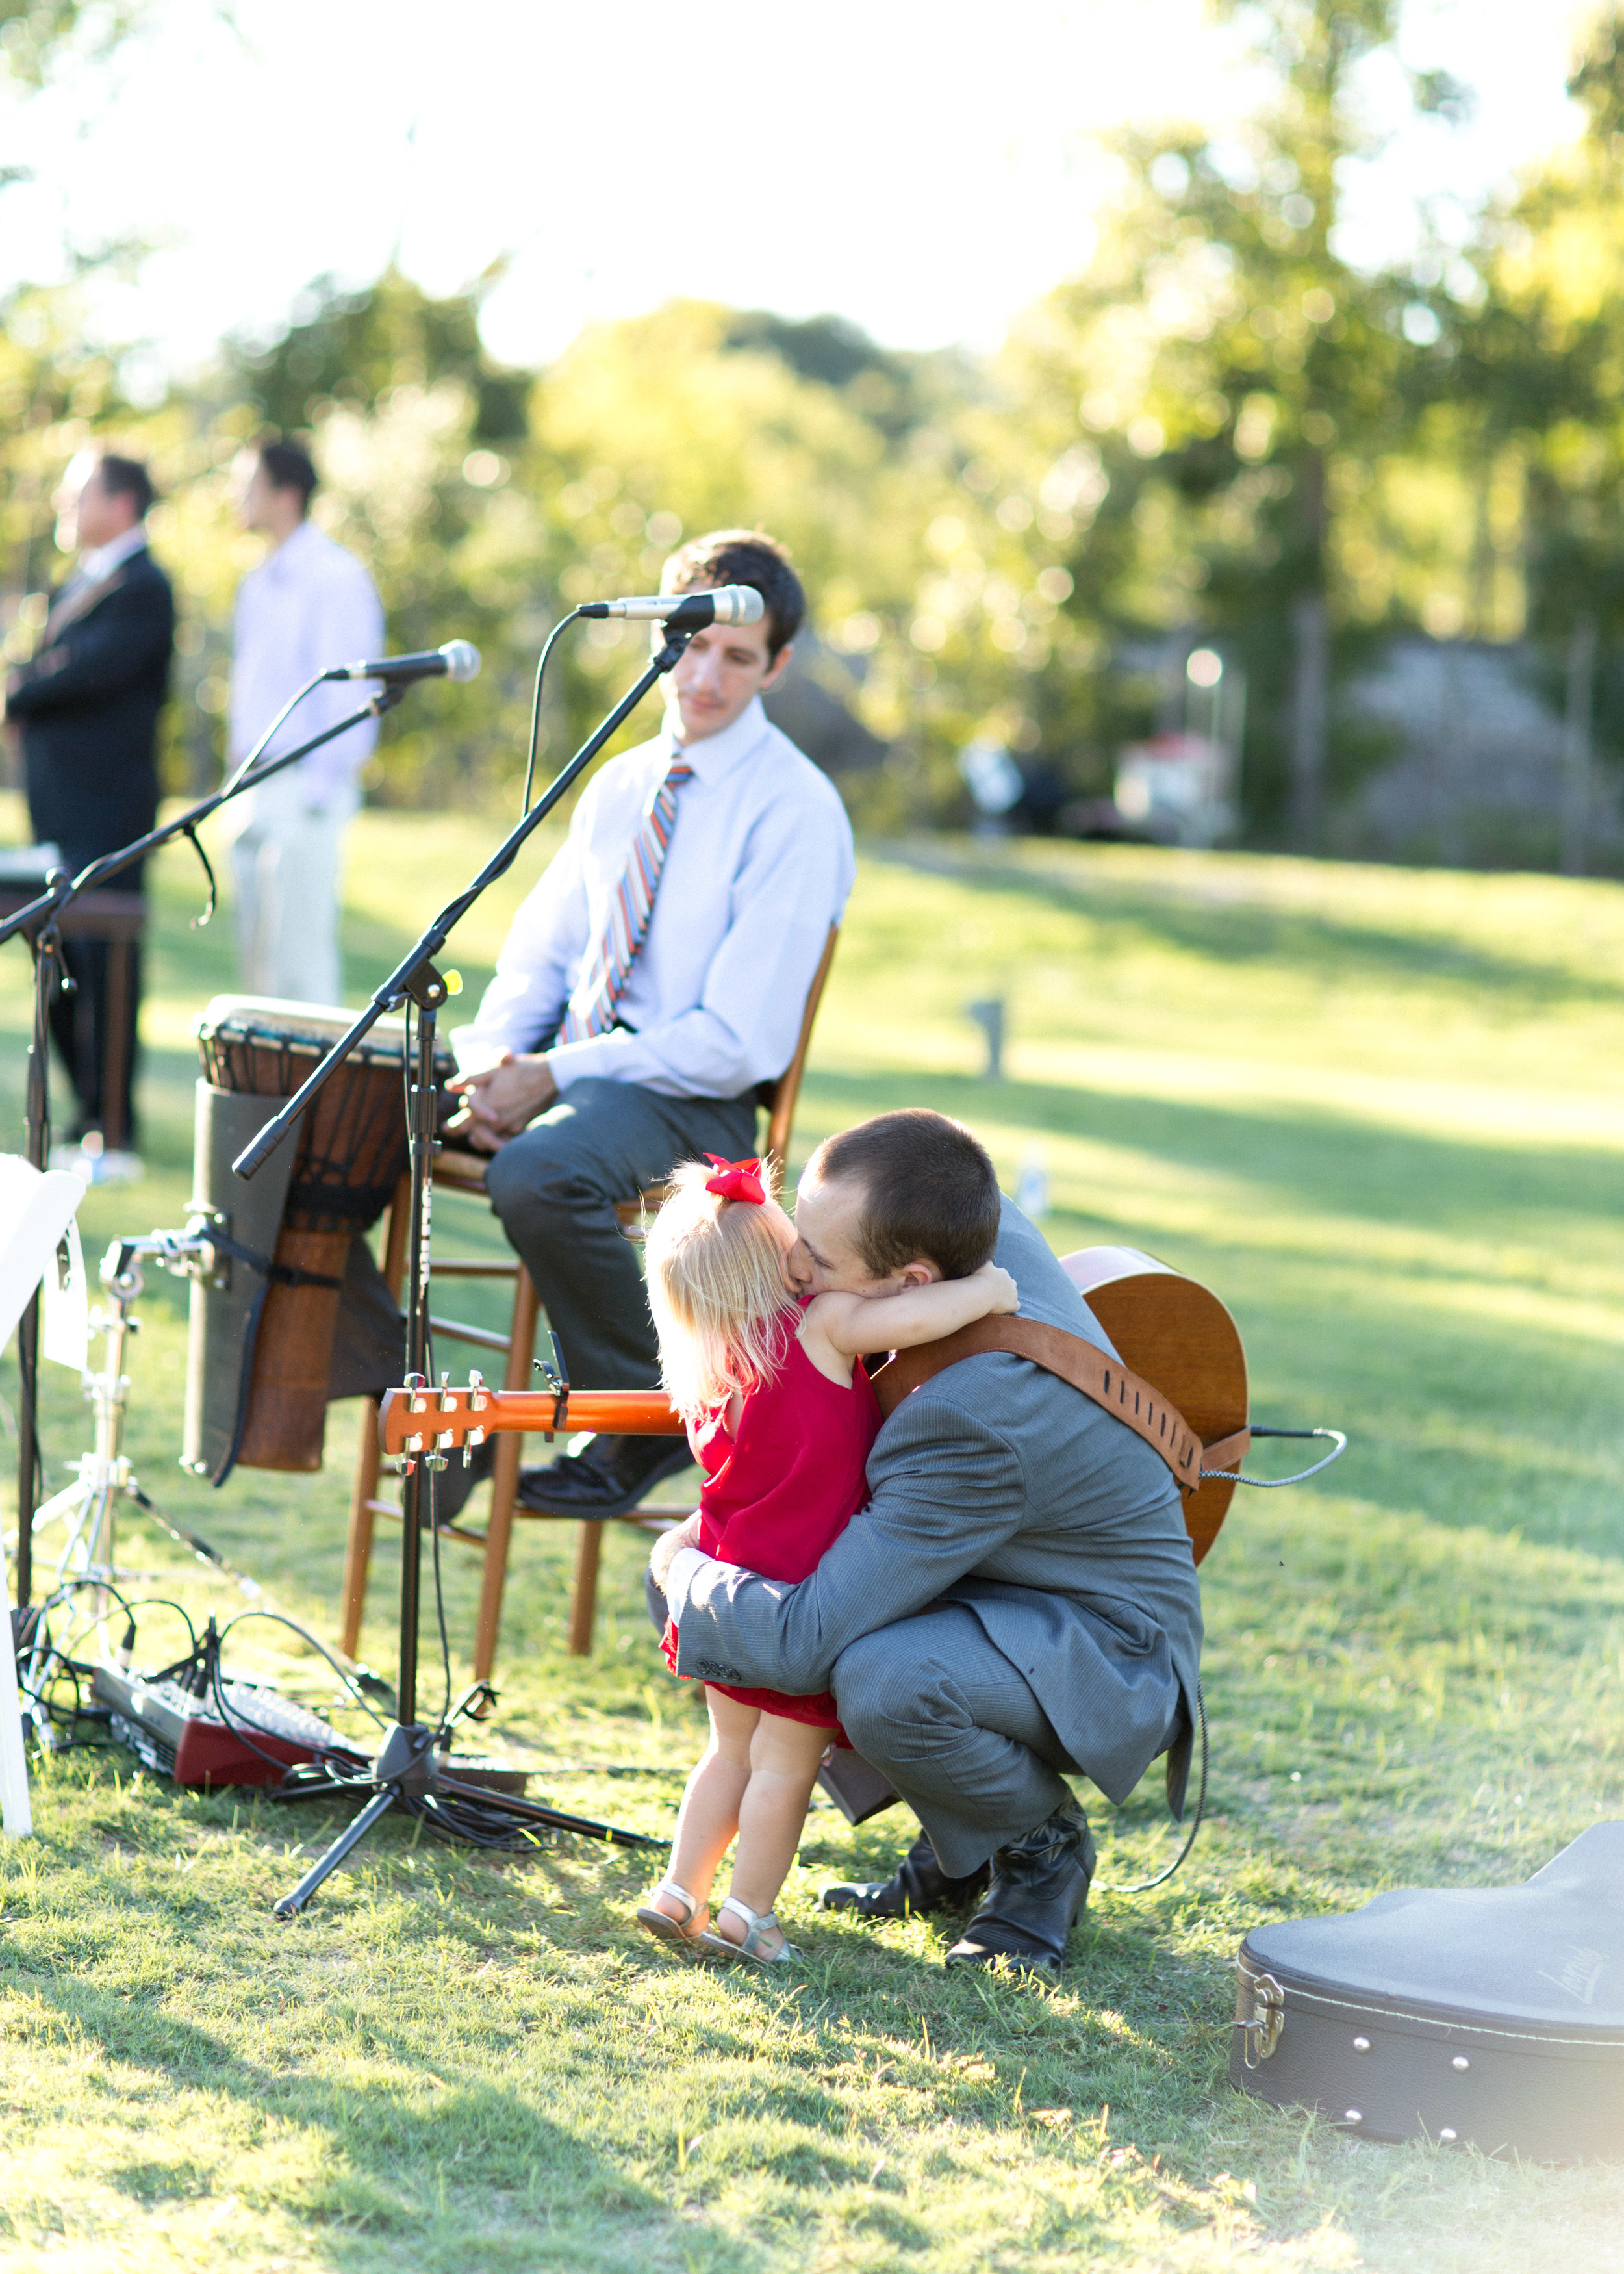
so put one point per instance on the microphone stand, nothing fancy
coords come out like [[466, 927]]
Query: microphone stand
[[405, 1771], [40, 922]]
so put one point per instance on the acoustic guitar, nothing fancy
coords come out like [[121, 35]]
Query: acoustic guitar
[[1179, 1345]]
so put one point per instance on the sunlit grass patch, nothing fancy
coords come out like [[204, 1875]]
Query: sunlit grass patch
[[1376, 1112]]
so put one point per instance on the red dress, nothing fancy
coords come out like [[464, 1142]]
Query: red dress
[[779, 1493]]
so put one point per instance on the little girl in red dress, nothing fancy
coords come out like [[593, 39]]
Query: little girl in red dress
[[781, 1416]]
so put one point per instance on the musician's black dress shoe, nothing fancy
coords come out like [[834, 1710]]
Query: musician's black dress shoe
[[606, 1478], [918, 1883], [1039, 1887]]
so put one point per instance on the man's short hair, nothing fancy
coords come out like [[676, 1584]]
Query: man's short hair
[[288, 467], [929, 1191], [742, 556], [127, 478]]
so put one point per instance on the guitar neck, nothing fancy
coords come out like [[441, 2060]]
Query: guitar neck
[[422, 1420]]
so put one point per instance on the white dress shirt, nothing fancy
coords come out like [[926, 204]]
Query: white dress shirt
[[102, 559], [760, 864], [308, 605]]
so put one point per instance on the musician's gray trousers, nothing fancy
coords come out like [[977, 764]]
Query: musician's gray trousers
[[555, 1188], [955, 1726]]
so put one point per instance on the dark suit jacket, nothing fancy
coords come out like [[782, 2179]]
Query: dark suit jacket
[[89, 707], [998, 1486]]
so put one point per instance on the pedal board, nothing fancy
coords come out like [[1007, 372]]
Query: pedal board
[[184, 1737]]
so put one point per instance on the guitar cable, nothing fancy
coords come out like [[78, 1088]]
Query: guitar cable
[[1339, 1446], [1275, 1484]]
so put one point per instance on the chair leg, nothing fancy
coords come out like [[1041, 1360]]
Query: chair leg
[[504, 1483], [583, 1606], [358, 1547]]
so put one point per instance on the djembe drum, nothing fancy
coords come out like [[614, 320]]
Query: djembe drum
[[263, 1324]]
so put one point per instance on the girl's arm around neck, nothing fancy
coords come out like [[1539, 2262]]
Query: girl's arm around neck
[[849, 1325]]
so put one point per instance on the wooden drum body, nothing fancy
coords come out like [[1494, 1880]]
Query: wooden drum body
[[348, 1155], [1176, 1335]]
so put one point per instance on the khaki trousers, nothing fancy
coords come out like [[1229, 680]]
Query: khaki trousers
[[286, 869]]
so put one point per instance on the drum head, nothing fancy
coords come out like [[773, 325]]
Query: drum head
[[271, 1023]]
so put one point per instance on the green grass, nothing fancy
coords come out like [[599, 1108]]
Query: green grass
[[1381, 1112]]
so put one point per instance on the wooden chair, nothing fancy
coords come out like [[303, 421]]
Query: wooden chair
[[463, 1172]]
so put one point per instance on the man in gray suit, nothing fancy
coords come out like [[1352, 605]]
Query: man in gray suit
[[1017, 1599]]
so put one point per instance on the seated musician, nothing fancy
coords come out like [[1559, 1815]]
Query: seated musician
[[652, 983]]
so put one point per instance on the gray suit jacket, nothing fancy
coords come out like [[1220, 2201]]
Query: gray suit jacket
[[998, 1486]]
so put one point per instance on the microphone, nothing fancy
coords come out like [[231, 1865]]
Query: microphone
[[457, 659], [728, 603]]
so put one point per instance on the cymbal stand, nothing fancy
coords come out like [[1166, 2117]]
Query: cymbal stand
[[103, 1476], [405, 1771]]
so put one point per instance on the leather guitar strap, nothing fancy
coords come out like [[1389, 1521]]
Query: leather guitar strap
[[1085, 1367]]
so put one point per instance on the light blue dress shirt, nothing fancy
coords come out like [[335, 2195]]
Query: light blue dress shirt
[[308, 605], [760, 864]]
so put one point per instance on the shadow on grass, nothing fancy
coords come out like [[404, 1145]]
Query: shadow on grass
[[421, 2159], [1323, 1160], [1210, 926]]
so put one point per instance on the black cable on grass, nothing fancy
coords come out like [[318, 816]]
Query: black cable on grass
[[1144, 1886], [281, 1619]]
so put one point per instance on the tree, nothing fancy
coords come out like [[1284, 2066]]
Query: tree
[[1233, 377], [1538, 365]]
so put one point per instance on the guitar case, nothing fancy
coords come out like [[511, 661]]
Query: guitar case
[[1488, 2014]]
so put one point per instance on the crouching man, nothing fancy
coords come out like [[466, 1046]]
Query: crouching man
[[1018, 1601]]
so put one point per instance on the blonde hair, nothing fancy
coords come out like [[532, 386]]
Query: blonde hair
[[717, 1290]]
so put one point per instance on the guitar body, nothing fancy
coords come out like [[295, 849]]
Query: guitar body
[[1179, 1336]]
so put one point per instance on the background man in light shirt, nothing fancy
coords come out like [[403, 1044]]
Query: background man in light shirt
[[308, 605], [759, 865]]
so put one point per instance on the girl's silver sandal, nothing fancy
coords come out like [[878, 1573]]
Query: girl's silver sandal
[[757, 1923], [662, 1926]]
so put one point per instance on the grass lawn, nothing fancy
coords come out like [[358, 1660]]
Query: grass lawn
[[1382, 1114]]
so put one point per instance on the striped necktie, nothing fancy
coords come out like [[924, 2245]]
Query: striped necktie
[[603, 979]]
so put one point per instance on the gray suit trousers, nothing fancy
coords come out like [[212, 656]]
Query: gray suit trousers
[[956, 1728], [555, 1189]]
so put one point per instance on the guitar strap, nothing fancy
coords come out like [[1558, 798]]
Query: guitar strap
[[1086, 1368]]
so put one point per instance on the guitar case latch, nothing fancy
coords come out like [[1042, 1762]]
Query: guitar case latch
[[1259, 2016]]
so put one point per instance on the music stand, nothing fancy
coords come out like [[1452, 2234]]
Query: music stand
[[405, 1771]]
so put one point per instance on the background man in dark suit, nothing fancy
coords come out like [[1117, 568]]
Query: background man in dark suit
[[88, 707]]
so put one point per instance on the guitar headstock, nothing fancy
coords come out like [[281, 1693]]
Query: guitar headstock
[[419, 1420], [422, 1419]]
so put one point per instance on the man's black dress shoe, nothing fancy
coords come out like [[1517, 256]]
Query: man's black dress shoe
[[918, 1883], [606, 1478], [1039, 1887]]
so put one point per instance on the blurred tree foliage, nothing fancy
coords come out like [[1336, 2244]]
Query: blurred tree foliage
[[39, 37], [1220, 430], [1236, 381]]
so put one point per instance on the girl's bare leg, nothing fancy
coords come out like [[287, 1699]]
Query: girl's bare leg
[[711, 1799], [783, 1763]]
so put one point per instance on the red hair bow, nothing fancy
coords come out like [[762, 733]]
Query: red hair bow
[[736, 1180]]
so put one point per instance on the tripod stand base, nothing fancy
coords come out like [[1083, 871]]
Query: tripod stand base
[[418, 1784], [292, 1903]]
